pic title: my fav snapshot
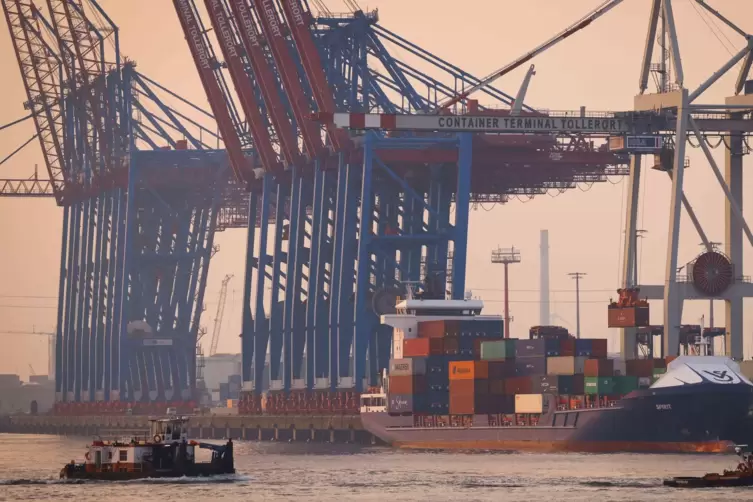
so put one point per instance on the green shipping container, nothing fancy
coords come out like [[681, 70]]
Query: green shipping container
[[599, 385], [625, 384], [659, 371], [497, 350]]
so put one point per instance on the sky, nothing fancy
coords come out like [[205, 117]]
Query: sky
[[597, 68]]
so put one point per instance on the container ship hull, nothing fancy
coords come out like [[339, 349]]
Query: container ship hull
[[668, 420]]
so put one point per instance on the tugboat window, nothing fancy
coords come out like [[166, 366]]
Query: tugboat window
[[123, 455]]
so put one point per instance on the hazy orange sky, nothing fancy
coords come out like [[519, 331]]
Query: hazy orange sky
[[598, 68]]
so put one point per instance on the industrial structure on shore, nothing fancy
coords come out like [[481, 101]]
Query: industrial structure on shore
[[343, 163]]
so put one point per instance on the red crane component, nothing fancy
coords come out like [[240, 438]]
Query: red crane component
[[42, 88], [265, 77], [217, 102], [299, 20], [272, 29], [259, 131]]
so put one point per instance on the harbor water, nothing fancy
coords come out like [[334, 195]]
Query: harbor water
[[29, 467]]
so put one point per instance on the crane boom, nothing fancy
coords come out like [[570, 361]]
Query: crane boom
[[272, 28], [299, 20], [42, 84], [73, 29], [229, 46], [219, 315], [217, 102], [577, 26], [265, 77]]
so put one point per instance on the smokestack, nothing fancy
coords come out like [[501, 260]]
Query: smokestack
[[544, 314]]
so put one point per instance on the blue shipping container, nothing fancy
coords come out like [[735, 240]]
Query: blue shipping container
[[541, 347], [583, 347]]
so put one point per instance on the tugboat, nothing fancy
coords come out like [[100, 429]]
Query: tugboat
[[742, 476], [165, 453]]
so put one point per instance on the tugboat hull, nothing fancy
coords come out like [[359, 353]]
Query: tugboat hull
[[193, 471]]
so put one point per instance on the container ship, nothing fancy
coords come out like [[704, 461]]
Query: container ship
[[455, 382]]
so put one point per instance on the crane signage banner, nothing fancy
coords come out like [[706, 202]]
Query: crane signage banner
[[157, 342], [476, 123], [523, 124]]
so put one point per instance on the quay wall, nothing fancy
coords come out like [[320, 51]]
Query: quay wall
[[305, 428]]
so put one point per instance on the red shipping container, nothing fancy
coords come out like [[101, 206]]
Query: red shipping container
[[519, 385], [598, 367], [639, 367], [669, 359], [469, 404], [431, 329], [408, 385], [599, 347], [451, 346], [659, 363], [567, 347], [477, 386], [423, 347], [499, 370]]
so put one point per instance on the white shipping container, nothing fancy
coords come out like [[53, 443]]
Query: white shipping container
[[644, 382], [407, 367], [529, 403], [565, 365]]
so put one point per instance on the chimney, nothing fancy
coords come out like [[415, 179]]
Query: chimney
[[544, 314]]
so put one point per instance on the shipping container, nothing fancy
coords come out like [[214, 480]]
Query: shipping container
[[659, 371], [567, 347], [565, 365], [746, 368], [501, 369], [497, 387], [627, 317], [624, 385], [660, 363], [547, 384], [583, 347], [407, 366], [598, 367], [530, 366], [640, 367], [235, 379], [599, 347], [469, 370], [574, 384], [437, 329], [502, 404], [423, 347], [469, 404], [399, 404], [669, 359], [529, 403], [498, 350], [518, 385], [408, 384], [232, 403], [487, 328], [602, 385], [451, 346], [477, 386], [548, 331], [539, 347]]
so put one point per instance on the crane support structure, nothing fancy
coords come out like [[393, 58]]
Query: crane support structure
[[219, 315]]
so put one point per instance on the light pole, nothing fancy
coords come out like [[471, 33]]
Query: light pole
[[505, 257], [577, 276]]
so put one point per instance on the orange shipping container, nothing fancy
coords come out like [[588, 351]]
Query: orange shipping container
[[627, 317], [640, 367], [669, 359], [469, 370], [464, 387], [598, 368], [518, 385], [423, 347]]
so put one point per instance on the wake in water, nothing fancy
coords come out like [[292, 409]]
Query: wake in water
[[228, 478]]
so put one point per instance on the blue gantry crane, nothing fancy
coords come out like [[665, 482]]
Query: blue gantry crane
[[336, 220]]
